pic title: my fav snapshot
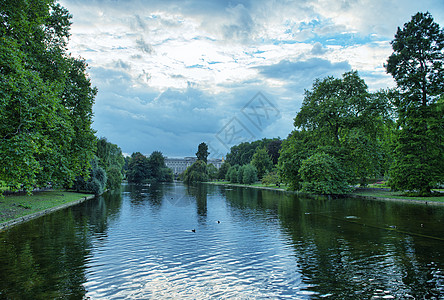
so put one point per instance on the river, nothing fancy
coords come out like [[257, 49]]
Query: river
[[170, 241]]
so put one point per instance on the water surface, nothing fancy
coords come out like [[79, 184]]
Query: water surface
[[213, 242]]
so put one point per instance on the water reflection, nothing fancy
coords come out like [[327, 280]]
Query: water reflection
[[45, 258], [248, 243], [354, 248]]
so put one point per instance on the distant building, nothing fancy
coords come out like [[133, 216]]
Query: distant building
[[216, 162], [179, 165]]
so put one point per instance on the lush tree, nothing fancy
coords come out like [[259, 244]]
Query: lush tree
[[156, 162], [146, 170], [243, 153], [336, 105], [321, 174], [342, 117], [240, 174], [249, 174], [273, 148], [158, 171], [197, 172], [202, 152], [417, 67], [96, 182], [223, 170], [212, 171], [297, 147], [112, 160], [271, 178], [262, 161], [138, 168], [114, 177], [126, 164], [166, 175], [232, 174], [46, 106]]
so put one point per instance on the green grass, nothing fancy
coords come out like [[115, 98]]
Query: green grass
[[368, 192], [257, 184], [15, 206], [396, 195]]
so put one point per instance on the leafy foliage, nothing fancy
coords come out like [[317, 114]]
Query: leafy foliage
[[222, 172], [417, 67], [232, 174], [138, 168], [212, 171], [249, 174], [202, 152], [297, 147], [344, 120], [152, 169], [262, 162], [246, 174], [111, 159], [46, 98], [321, 174], [96, 183], [271, 178], [197, 172], [242, 154]]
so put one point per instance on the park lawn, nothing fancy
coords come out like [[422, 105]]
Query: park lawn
[[15, 206], [395, 195], [369, 192], [257, 184], [274, 186]]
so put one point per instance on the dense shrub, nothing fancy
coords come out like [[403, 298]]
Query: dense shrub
[[249, 174], [321, 174], [114, 178], [232, 174], [271, 178], [197, 172]]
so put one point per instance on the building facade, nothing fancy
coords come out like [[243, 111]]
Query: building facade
[[179, 165]]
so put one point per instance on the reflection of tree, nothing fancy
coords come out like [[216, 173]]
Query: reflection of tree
[[351, 248], [142, 194], [45, 258], [199, 192]]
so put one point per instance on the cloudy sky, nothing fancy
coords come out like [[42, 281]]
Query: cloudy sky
[[172, 74]]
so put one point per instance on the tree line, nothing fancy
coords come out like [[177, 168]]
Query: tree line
[[344, 135], [147, 170]]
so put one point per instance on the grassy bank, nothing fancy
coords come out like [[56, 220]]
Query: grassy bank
[[387, 194], [256, 185], [17, 206], [375, 193]]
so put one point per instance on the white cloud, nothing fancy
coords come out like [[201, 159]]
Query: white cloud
[[171, 73]]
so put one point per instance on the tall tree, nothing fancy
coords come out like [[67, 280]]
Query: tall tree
[[202, 152], [156, 162], [295, 148], [138, 168], [197, 172], [111, 159], [223, 170], [262, 161], [46, 98], [342, 117], [416, 64], [273, 148]]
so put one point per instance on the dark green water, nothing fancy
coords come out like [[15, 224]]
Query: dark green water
[[139, 244]]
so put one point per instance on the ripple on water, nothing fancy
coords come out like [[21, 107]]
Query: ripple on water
[[248, 255]]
